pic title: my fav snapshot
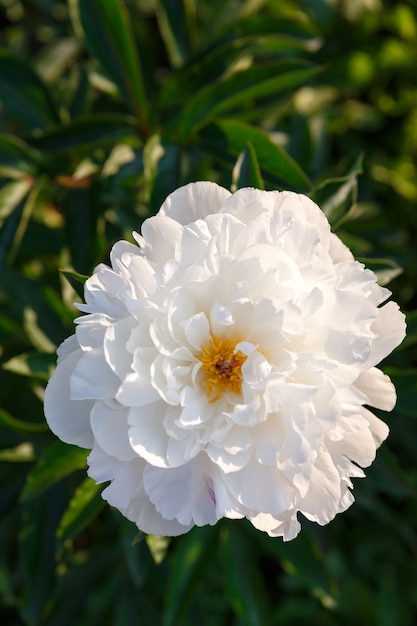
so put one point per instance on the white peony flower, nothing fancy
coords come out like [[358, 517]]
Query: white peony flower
[[225, 363]]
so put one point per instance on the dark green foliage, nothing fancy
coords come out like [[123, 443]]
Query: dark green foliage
[[106, 106]]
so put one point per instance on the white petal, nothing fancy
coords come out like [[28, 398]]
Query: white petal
[[136, 388], [197, 330], [141, 275], [115, 347], [247, 204], [183, 493], [126, 492], [68, 419], [194, 201], [378, 388], [255, 370], [105, 291], [136, 391], [160, 234], [261, 488], [286, 526], [110, 430], [91, 329], [221, 319], [67, 347], [147, 434], [378, 428], [93, 378], [389, 329], [358, 447], [229, 461], [321, 503]]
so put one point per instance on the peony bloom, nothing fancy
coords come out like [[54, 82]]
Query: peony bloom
[[224, 365]]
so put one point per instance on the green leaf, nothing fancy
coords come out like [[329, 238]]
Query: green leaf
[[82, 228], [188, 563], [385, 269], [172, 24], [76, 281], [24, 94], [242, 584], [226, 139], [161, 163], [411, 337], [15, 227], [56, 462], [12, 194], [337, 197], [23, 453], [79, 101], [37, 554], [32, 364], [19, 426], [83, 508], [239, 91], [87, 132], [246, 172], [158, 547], [17, 153], [405, 381], [108, 32]]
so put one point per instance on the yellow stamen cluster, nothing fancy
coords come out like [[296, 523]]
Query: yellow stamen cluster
[[222, 367]]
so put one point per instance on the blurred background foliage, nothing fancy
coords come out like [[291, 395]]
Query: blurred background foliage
[[106, 106]]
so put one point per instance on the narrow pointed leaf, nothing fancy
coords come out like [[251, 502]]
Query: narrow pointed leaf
[[109, 36], [188, 563], [246, 172], [83, 508], [241, 90], [87, 132], [226, 139], [56, 462]]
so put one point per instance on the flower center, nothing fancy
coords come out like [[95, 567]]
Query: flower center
[[222, 367]]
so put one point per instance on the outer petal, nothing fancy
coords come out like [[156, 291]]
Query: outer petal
[[378, 387], [285, 526], [68, 419], [322, 500], [261, 488], [160, 234], [248, 204], [389, 329], [126, 493], [111, 430], [194, 201], [184, 493], [93, 378]]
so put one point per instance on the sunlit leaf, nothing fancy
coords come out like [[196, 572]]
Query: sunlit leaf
[[55, 463], [385, 269], [246, 172], [83, 508], [107, 29], [172, 20], [239, 91], [228, 138], [32, 364], [76, 281], [12, 194], [17, 153], [23, 453]]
